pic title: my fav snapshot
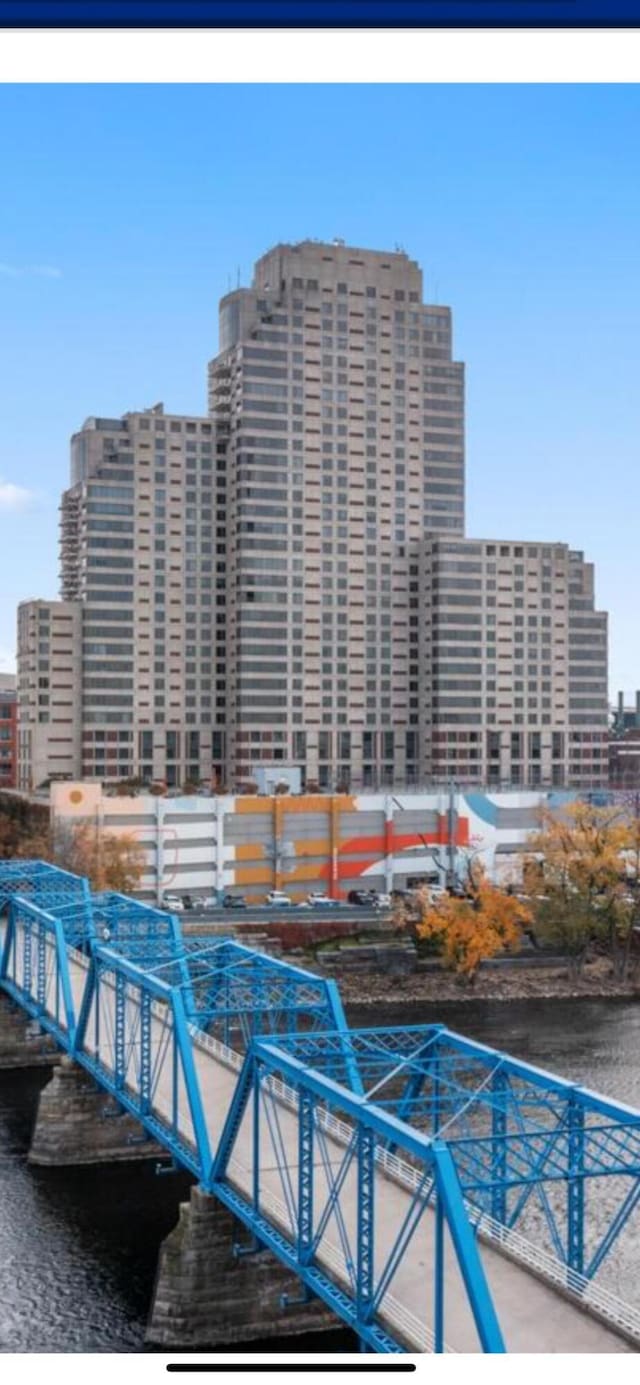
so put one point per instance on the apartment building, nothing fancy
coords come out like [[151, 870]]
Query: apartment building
[[513, 665], [134, 656], [286, 581], [341, 407], [49, 692], [8, 731], [143, 550]]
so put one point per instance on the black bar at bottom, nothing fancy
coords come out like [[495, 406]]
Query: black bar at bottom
[[288, 1366]]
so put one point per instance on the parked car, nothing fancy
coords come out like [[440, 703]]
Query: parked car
[[322, 901], [173, 902], [234, 901], [383, 901], [365, 898], [278, 897]]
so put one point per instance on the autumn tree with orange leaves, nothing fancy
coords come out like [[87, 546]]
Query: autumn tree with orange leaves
[[470, 930]]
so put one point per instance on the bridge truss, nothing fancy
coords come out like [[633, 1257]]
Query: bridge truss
[[244, 1068]]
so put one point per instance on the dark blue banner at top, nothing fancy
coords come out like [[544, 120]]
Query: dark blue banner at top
[[317, 14]]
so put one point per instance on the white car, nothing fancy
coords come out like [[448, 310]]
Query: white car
[[173, 903], [437, 891], [278, 897], [383, 901], [322, 901]]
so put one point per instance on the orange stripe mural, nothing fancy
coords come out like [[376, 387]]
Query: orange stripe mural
[[337, 866]]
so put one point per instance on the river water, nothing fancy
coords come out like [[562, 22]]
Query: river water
[[78, 1248]]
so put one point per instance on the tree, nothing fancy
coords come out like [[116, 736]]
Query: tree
[[470, 930], [110, 861], [128, 788], [566, 922], [117, 864], [249, 788], [20, 819], [588, 853]]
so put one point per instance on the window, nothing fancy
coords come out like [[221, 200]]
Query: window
[[324, 745]]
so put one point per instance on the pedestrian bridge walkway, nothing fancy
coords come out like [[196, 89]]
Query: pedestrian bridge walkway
[[393, 1170]]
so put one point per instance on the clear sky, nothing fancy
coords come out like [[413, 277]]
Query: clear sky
[[125, 212]]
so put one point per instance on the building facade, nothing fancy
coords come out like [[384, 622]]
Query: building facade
[[210, 846], [49, 692], [143, 554], [624, 744], [286, 581], [8, 731], [513, 665], [342, 410]]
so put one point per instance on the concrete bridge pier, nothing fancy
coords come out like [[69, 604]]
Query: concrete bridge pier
[[78, 1123], [207, 1296], [23, 1044]]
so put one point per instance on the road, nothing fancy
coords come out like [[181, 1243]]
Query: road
[[266, 914]]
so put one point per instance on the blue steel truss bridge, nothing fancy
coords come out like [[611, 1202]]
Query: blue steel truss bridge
[[436, 1194]]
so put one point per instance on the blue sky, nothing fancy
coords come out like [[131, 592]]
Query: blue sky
[[128, 211]]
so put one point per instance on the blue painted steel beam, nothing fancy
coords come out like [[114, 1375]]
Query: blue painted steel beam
[[499, 1146], [575, 1190], [467, 1253], [613, 1230], [306, 1121], [375, 1336]]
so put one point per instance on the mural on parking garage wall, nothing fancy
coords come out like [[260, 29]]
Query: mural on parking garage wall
[[404, 837], [326, 842]]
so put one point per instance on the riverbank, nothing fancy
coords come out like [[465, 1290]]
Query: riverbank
[[527, 983]]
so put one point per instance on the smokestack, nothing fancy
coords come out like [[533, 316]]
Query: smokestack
[[620, 717], [637, 708]]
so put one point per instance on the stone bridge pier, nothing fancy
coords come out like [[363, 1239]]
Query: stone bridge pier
[[207, 1295], [79, 1123], [23, 1044]]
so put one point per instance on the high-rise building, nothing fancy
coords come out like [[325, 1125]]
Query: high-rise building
[[513, 665], [143, 553], [286, 582], [342, 411], [49, 692]]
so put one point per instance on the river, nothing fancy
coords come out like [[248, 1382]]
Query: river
[[78, 1248]]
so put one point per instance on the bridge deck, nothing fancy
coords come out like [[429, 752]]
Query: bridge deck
[[533, 1316]]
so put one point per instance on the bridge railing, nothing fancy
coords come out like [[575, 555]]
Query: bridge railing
[[588, 1293]]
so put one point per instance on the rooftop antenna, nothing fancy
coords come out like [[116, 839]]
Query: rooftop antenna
[[238, 277]]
